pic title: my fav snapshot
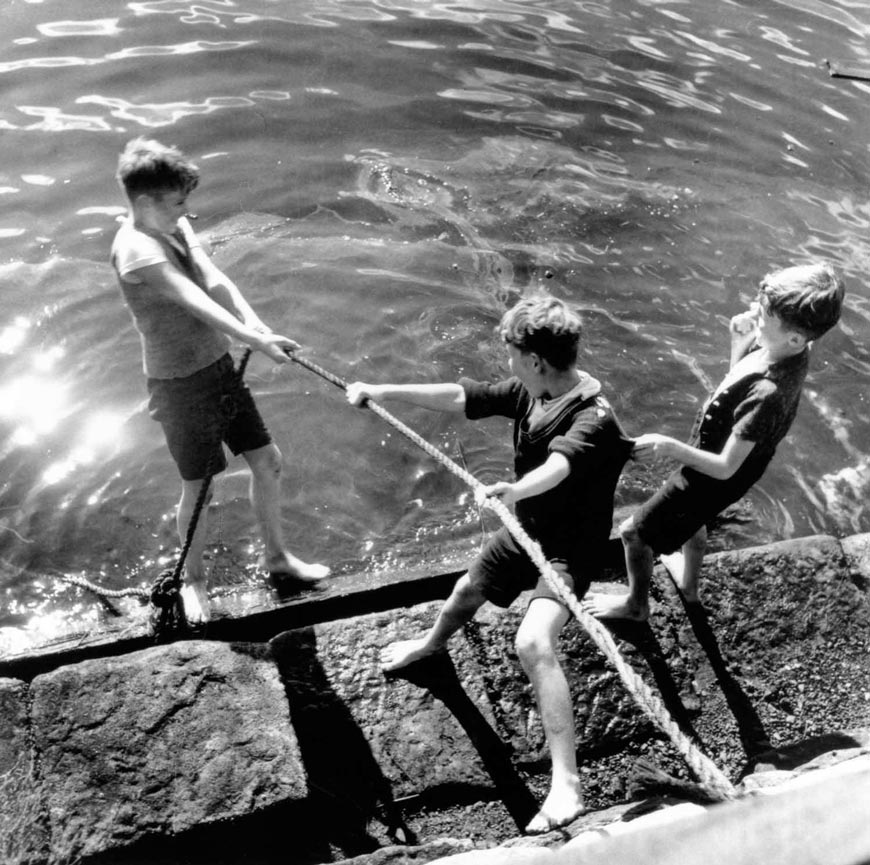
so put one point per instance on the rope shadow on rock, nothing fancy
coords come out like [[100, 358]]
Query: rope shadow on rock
[[347, 788], [642, 638]]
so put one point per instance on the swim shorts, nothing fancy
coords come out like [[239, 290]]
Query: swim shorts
[[503, 570], [200, 411], [680, 508]]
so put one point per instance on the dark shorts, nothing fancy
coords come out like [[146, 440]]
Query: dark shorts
[[200, 411], [503, 570], [679, 510]]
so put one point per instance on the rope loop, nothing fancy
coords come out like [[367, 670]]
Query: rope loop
[[166, 590], [167, 614]]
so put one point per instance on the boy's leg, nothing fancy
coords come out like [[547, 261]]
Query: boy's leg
[[639, 566], [685, 566], [194, 592], [464, 601], [536, 645], [265, 464]]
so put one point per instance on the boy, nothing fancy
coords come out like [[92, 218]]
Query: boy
[[735, 435], [186, 311], [569, 451]]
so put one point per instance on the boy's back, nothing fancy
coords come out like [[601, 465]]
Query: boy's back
[[759, 406], [580, 425]]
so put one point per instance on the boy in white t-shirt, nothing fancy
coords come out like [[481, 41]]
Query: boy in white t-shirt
[[187, 312]]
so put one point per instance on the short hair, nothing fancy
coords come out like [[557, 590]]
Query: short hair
[[147, 166], [546, 326], [807, 298]]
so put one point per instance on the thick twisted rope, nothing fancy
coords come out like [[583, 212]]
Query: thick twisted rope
[[81, 582], [710, 775]]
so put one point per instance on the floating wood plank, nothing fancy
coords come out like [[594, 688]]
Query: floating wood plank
[[849, 69]]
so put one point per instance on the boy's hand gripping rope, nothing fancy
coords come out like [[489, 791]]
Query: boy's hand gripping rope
[[710, 775]]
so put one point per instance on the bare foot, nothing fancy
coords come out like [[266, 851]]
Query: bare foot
[[196, 603], [615, 607], [287, 565], [400, 654], [563, 805], [675, 565]]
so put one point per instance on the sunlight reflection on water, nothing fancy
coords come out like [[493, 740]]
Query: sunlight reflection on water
[[383, 178]]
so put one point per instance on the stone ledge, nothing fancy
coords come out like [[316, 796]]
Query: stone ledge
[[156, 742]]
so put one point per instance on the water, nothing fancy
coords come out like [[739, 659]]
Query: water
[[383, 178]]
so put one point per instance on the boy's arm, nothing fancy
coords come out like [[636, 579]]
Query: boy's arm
[[742, 329], [720, 466], [438, 397], [166, 280], [225, 292], [539, 480]]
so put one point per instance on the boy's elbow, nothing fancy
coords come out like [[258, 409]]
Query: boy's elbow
[[733, 458], [725, 473], [727, 469], [561, 467]]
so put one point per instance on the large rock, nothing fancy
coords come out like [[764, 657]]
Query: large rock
[[784, 630], [159, 741], [781, 651], [857, 551], [381, 733], [401, 735]]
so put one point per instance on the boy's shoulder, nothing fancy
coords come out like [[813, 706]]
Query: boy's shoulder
[[782, 380], [790, 368], [127, 234], [133, 249]]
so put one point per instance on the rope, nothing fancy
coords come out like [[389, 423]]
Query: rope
[[99, 590], [710, 775]]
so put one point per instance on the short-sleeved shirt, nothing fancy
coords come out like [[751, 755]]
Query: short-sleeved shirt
[[175, 343], [577, 514], [758, 407]]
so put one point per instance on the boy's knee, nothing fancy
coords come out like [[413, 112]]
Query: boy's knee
[[467, 593], [629, 534], [698, 541], [268, 459], [532, 647], [192, 490]]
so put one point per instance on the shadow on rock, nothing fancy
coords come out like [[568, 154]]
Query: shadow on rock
[[347, 789], [760, 754], [437, 674], [753, 735], [641, 637]]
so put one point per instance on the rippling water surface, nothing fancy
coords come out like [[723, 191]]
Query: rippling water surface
[[383, 179]]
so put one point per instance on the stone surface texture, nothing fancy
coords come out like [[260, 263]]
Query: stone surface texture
[[160, 741], [22, 830], [192, 747]]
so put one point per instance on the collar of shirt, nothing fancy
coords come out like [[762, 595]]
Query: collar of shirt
[[544, 410]]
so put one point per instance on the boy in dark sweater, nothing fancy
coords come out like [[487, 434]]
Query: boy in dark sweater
[[735, 435], [569, 451]]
